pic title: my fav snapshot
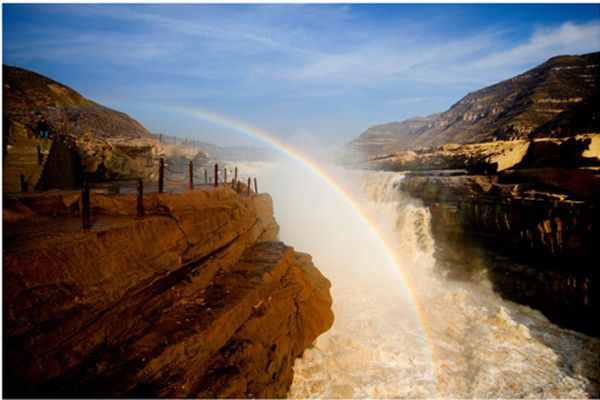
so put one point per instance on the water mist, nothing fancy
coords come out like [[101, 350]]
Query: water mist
[[400, 331]]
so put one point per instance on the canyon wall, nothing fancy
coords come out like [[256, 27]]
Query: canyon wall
[[535, 244], [557, 99], [491, 157], [521, 214], [197, 298]]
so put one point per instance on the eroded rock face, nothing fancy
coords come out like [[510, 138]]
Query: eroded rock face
[[28, 96], [492, 157], [555, 99], [194, 299], [535, 242]]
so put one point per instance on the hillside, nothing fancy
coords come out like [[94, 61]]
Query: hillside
[[555, 99], [102, 144], [28, 96]]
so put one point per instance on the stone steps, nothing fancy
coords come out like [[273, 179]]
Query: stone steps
[[22, 158]]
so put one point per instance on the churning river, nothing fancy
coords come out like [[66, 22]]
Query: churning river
[[400, 329]]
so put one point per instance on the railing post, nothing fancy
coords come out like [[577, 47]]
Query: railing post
[[140, 198], [235, 175], [191, 183], [24, 185], [40, 155], [255, 186], [205, 176], [216, 175], [85, 206], [161, 175], [224, 176], [249, 183]]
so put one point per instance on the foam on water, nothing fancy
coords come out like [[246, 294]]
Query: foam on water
[[482, 345]]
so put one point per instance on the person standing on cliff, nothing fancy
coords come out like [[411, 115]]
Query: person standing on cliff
[[43, 128]]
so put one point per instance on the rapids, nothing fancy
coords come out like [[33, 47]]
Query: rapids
[[400, 329]]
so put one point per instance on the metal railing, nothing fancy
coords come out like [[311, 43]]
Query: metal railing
[[235, 184]]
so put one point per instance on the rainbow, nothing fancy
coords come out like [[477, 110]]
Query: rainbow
[[314, 167]]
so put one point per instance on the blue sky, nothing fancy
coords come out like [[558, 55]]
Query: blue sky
[[303, 72]]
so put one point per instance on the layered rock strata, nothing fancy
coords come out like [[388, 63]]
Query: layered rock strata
[[492, 157], [535, 242], [197, 298], [555, 99]]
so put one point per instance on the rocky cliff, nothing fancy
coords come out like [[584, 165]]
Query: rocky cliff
[[29, 96], [555, 99], [195, 299], [98, 142], [521, 214], [581, 151], [534, 243]]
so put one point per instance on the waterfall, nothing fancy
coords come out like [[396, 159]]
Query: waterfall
[[404, 221], [464, 341]]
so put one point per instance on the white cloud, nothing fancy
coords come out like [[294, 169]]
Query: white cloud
[[330, 51], [221, 27], [474, 61], [385, 59], [324, 62], [119, 49], [569, 38]]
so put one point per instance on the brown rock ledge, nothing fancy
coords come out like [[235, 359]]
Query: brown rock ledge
[[195, 299]]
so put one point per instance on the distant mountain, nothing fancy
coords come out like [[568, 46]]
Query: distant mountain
[[558, 98], [28, 96]]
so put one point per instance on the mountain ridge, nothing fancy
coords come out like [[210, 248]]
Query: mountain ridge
[[29, 96], [553, 99]]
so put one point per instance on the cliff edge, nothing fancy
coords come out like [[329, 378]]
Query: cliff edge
[[195, 299]]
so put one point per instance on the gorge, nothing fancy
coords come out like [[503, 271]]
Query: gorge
[[402, 328], [512, 186], [465, 268]]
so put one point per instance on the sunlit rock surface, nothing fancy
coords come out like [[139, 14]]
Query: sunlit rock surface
[[525, 212], [555, 99], [194, 299], [491, 157], [29, 96]]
